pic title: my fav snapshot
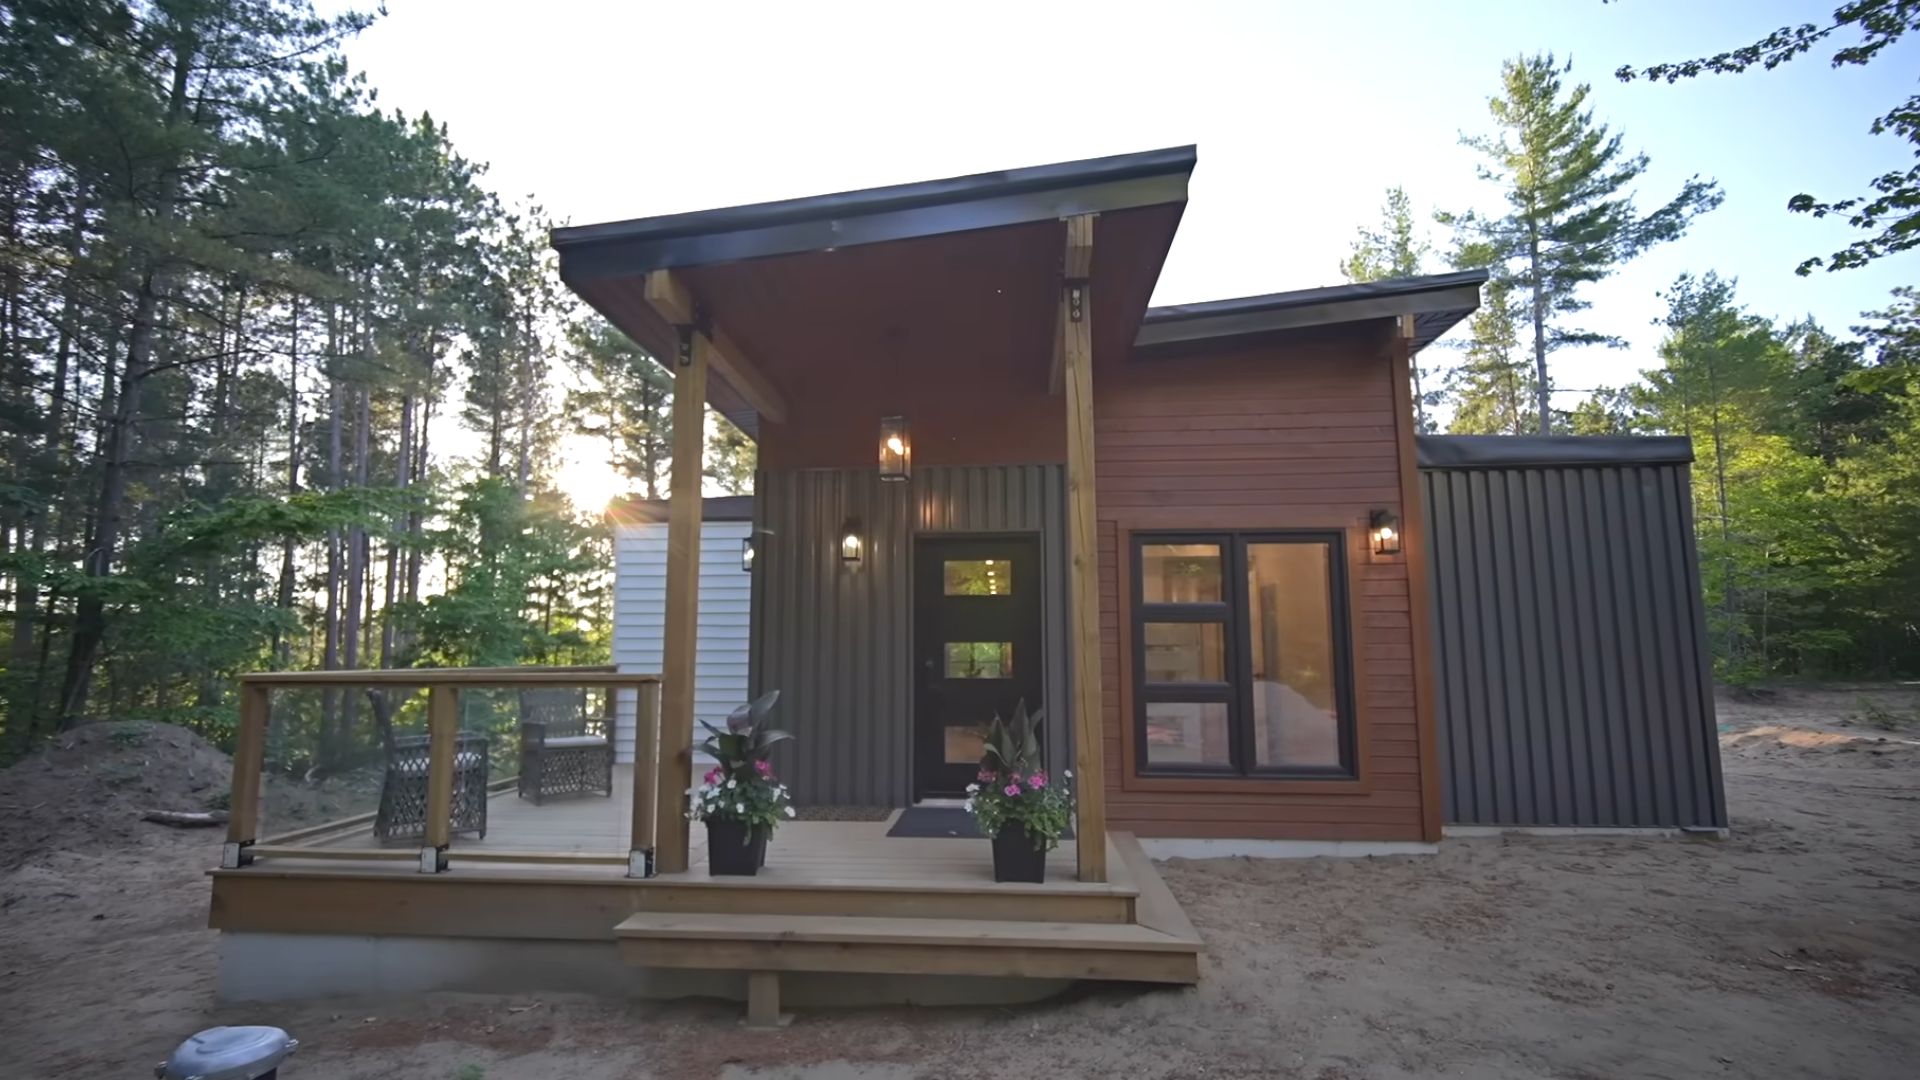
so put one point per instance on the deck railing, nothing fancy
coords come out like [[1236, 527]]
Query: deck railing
[[444, 688]]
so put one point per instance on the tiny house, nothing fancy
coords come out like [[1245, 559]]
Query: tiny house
[[1198, 538]]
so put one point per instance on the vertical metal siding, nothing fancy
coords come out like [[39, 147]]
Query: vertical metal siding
[[837, 642], [1572, 669]]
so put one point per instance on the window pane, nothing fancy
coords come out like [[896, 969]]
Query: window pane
[[1180, 573], [978, 577], [1187, 733], [965, 745], [1186, 652], [979, 659], [1296, 718]]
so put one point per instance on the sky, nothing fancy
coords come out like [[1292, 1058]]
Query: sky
[[1303, 113]]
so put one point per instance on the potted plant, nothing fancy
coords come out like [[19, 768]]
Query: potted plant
[[739, 798], [1015, 803]]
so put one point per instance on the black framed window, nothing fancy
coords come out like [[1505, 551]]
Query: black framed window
[[1242, 655]]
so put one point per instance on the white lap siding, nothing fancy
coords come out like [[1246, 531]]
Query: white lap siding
[[639, 612]]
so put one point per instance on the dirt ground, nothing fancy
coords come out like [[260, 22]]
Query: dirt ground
[[1790, 950]]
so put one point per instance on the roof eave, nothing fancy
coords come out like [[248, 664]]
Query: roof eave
[[1436, 301]]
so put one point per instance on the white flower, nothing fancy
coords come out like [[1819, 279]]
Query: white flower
[[1069, 774], [972, 788], [789, 811], [969, 806], [739, 808], [731, 784]]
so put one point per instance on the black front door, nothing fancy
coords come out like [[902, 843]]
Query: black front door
[[977, 649]]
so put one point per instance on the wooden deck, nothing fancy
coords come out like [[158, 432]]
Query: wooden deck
[[834, 896]]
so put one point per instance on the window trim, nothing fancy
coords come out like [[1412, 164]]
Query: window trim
[[1233, 612]]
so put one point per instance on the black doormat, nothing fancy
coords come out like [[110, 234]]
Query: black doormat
[[929, 822]]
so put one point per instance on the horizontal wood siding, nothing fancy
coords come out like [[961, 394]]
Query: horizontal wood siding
[[1299, 436]]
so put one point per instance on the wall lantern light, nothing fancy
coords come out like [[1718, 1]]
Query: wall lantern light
[[746, 554], [896, 448], [1385, 530], [851, 545]]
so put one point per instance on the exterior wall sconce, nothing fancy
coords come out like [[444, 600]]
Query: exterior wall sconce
[[746, 554], [1384, 528], [896, 448], [851, 544]]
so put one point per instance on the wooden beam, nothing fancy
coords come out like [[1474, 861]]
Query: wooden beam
[[646, 766], [249, 757], [1083, 579], [1076, 264], [443, 730], [683, 604], [670, 297], [1413, 547]]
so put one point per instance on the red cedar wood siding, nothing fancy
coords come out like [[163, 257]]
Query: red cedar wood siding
[[1297, 436]]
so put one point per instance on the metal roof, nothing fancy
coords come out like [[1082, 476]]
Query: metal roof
[[634, 511], [1436, 301], [1521, 451], [872, 215]]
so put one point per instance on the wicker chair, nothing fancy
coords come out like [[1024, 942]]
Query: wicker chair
[[403, 791], [563, 749]]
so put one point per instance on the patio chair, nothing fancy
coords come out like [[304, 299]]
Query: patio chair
[[403, 790], [564, 750]]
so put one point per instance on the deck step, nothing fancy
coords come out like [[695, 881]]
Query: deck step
[[757, 942]]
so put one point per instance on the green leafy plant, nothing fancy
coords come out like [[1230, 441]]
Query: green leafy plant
[[741, 786], [1013, 786]]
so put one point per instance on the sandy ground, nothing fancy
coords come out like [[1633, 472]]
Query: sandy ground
[[1790, 950]]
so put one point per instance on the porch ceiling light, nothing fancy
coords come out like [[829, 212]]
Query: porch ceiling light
[[851, 543], [896, 448], [1384, 529]]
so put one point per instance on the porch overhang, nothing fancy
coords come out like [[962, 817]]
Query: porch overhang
[[1436, 302], [958, 275]]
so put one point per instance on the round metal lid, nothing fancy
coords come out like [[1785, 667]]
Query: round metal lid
[[228, 1053]]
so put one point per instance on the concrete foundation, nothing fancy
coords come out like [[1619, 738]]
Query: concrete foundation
[[1473, 832], [1187, 848], [283, 967]]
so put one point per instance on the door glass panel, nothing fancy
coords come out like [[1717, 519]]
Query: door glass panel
[[978, 577], [965, 745], [979, 659], [1186, 652], [1187, 733], [1180, 573], [1296, 713]]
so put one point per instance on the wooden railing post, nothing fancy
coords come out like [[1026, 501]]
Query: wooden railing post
[[249, 757], [646, 761], [443, 732]]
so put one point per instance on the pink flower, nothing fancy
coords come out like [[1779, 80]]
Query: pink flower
[[1011, 791], [763, 767], [712, 777], [1038, 780], [986, 776]]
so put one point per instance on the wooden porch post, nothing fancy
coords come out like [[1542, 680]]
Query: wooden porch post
[[443, 730], [683, 602], [1076, 368]]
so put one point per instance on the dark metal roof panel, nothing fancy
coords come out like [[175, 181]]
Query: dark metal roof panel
[[712, 508], [1437, 302], [872, 215], [1522, 451]]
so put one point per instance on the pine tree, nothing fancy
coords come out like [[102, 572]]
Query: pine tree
[[1493, 388], [731, 458], [626, 401], [1394, 249], [1570, 218]]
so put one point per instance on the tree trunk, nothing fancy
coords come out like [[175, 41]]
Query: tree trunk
[[1543, 389]]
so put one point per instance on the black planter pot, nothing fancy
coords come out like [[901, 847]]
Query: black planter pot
[[734, 850], [1015, 858]]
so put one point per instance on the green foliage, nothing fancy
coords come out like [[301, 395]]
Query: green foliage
[[1571, 218], [1395, 249], [1892, 208], [741, 786], [1013, 788], [747, 741]]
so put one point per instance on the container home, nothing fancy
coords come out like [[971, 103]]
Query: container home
[[1195, 537]]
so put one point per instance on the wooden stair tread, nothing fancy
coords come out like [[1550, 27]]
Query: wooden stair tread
[[1155, 906], [863, 930]]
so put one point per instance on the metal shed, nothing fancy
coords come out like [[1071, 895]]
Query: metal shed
[[1573, 684]]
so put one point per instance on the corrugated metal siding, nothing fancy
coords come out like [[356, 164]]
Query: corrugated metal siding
[[837, 642], [639, 613], [1572, 679]]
